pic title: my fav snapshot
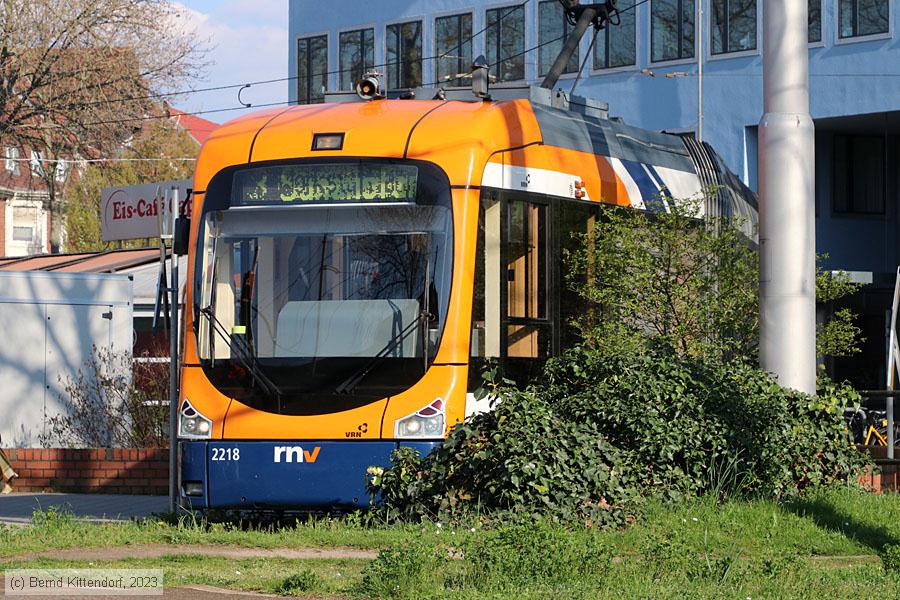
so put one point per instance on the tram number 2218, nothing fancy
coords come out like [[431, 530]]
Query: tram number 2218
[[226, 454]]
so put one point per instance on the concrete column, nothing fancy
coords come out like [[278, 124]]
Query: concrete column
[[786, 203]]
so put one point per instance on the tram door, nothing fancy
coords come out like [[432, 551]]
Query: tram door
[[513, 309], [527, 325]]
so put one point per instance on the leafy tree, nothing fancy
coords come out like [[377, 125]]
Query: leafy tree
[[77, 77], [157, 141], [684, 281]]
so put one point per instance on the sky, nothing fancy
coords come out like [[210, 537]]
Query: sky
[[248, 42]]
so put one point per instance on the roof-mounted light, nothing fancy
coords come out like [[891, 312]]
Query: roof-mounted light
[[370, 87], [328, 141]]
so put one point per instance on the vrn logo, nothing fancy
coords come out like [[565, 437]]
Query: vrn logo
[[295, 454]]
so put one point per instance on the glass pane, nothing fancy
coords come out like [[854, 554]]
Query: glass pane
[[622, 41], [528, 341], [412, 55], [867, 171], [357, 50], [687, 29], [815, 21], [318, 52], [872, 16], [741, 25], [526, 261], [485, 340], [553, 26], [846, 17], [453, 47], [392, 56], [330, 282], [505, 43], [718, 31], [516, 251], [841, 174], [664, 25], [303, 71]]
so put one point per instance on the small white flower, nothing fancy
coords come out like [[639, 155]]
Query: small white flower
[[472, 530], [695, 519], [438, 525], [237, 572]]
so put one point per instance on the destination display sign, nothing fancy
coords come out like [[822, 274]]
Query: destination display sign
[[325, 183]]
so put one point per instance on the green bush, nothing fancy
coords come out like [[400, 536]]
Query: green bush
[[302, 582], [533, 553], [601, 432], [413, 571], [890, 557]]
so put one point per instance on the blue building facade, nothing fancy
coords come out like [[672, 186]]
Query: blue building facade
[[647, 69]]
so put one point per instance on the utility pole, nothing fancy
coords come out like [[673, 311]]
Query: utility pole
[[787, 300], [700, 73]]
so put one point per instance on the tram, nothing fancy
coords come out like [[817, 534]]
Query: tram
[[354, 264]]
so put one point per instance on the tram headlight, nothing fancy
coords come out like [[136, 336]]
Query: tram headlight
[[192, 424], [428, 422]]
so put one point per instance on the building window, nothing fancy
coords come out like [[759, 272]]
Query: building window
[[312, 69], [815, 21], [671, 30], [23, 234], [453, 47], [859, 174], [404, 55], [12, 159], [615, 46], [553, 25], [505, 42], [863, 17], [357, 56], [733, 26], [62, 171], [36, 163]]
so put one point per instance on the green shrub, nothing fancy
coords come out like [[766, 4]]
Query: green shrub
[[601, 432], [532, 554], [890, 557], [304, 581], [413, 571]]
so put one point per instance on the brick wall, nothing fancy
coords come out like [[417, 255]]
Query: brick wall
[[104, 471], [884, 478], [2, 226]]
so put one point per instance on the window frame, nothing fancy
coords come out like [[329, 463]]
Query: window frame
[[852, 213], [838, 40], [567, 29], [355, 29], [525, 37], [434, 43], [821, 41], [707, 23], [594, 70], [423, 44], [11, 160], [307, 38], [671, 61]]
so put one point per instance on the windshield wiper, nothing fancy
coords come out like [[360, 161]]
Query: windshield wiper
[[351, 382], [245, 355]]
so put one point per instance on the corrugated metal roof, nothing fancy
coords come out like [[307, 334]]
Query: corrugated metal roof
[[110, 261]]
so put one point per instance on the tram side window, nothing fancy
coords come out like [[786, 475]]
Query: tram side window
[[528, 331], [577, 221]]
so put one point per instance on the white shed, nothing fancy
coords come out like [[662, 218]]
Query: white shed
[[50, 322]]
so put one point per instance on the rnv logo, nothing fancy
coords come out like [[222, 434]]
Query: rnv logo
[[295, 454]]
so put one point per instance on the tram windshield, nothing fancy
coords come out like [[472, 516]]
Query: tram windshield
[[313, 308]]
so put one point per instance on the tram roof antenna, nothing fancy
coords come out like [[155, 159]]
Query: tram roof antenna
[[583, 16]]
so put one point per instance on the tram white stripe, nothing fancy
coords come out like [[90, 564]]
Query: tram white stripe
[[531, 179], [634, 193]]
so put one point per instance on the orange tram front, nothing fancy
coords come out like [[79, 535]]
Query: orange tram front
[[353, 266]]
